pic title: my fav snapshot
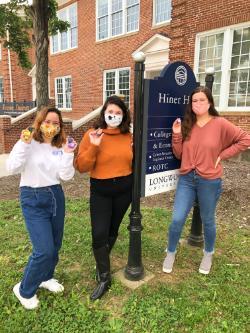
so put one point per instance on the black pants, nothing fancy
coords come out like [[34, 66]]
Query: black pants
[[109, 201]]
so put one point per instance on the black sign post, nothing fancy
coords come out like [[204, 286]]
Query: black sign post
[[209, 79], [134, 270], [195, 238]]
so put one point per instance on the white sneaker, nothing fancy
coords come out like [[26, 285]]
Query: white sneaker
[[206, 263], [52, 285], [168, 262], [27, 303]]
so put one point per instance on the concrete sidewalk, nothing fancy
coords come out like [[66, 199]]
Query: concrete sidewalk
[[3, 171]]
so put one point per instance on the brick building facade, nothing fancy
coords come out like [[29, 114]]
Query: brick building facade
[[177, 37], [94, 58], [15, 84]]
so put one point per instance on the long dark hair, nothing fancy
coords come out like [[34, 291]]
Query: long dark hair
[[60, 138], [190, 117], [126, 120]]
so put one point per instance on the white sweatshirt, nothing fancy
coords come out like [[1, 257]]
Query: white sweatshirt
[[40, 164]]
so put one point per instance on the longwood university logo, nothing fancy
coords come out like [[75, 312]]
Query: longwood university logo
[[181, 75]]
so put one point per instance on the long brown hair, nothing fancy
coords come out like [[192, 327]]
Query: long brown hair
[[60, 138], [126, 120], [190, 117]]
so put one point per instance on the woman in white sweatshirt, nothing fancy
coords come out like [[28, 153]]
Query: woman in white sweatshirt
[[43, 158]]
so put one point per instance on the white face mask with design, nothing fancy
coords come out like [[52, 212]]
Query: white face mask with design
[[113, 120]]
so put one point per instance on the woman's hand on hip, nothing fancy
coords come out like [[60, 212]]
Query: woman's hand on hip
[[96, 137], [217, 162], [176, 128]]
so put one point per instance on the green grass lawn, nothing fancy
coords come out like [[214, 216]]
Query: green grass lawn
[[184, 301]]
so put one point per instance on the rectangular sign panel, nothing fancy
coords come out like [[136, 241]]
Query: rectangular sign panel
[[15, 109], [160, 182], [165, 99]]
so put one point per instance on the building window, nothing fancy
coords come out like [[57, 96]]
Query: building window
[[66, 40], [116, 17], [63, 89], [1, 89], [228, 52], [210, 55], [162, 11], [239, 90], [117, 82]]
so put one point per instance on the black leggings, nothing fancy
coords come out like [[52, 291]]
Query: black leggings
[[109, 201]]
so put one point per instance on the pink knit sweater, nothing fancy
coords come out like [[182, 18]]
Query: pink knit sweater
[[218, 137]]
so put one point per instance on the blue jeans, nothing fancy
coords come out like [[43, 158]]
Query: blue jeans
[[43, 210], [191, 186]]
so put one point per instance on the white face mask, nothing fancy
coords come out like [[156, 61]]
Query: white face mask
[[113, 120]]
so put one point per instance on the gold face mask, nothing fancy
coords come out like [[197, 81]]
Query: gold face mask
[[49, 130]]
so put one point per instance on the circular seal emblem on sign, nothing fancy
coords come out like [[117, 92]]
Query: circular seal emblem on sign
[[181, 75]]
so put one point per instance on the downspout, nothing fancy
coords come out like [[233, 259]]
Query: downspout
[[10, 74]]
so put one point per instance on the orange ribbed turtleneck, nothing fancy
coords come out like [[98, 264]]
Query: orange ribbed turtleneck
[[112, 158]]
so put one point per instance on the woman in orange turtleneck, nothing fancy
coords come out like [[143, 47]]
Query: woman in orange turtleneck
[[106, 152]]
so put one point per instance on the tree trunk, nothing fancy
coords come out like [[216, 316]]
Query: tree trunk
[[41, 41]]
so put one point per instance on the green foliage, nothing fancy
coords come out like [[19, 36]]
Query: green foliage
[[55, 24], [17, 27], [184, 301], [16, 18]]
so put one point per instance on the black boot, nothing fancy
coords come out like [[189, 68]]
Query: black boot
[[111, 243], [103, 267]]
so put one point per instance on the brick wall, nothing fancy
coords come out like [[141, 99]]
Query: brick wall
[[242, 120], [4, 73], [21, 82], [4, 124], [10, 133]]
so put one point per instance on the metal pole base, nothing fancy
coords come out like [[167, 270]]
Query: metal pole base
[[134, 270], [195, 237], [134, 273], [195, 240]]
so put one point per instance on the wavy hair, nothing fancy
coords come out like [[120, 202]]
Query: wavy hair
[[190, 117], [126, 120], [57, 140]]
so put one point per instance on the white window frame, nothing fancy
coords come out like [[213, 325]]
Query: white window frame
[[226, 64], [124, 21], [154, 15], [66, 9], [64, 108], [1, 93], [117, 91]]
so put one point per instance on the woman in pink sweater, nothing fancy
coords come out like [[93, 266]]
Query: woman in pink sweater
[[201, 141]]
